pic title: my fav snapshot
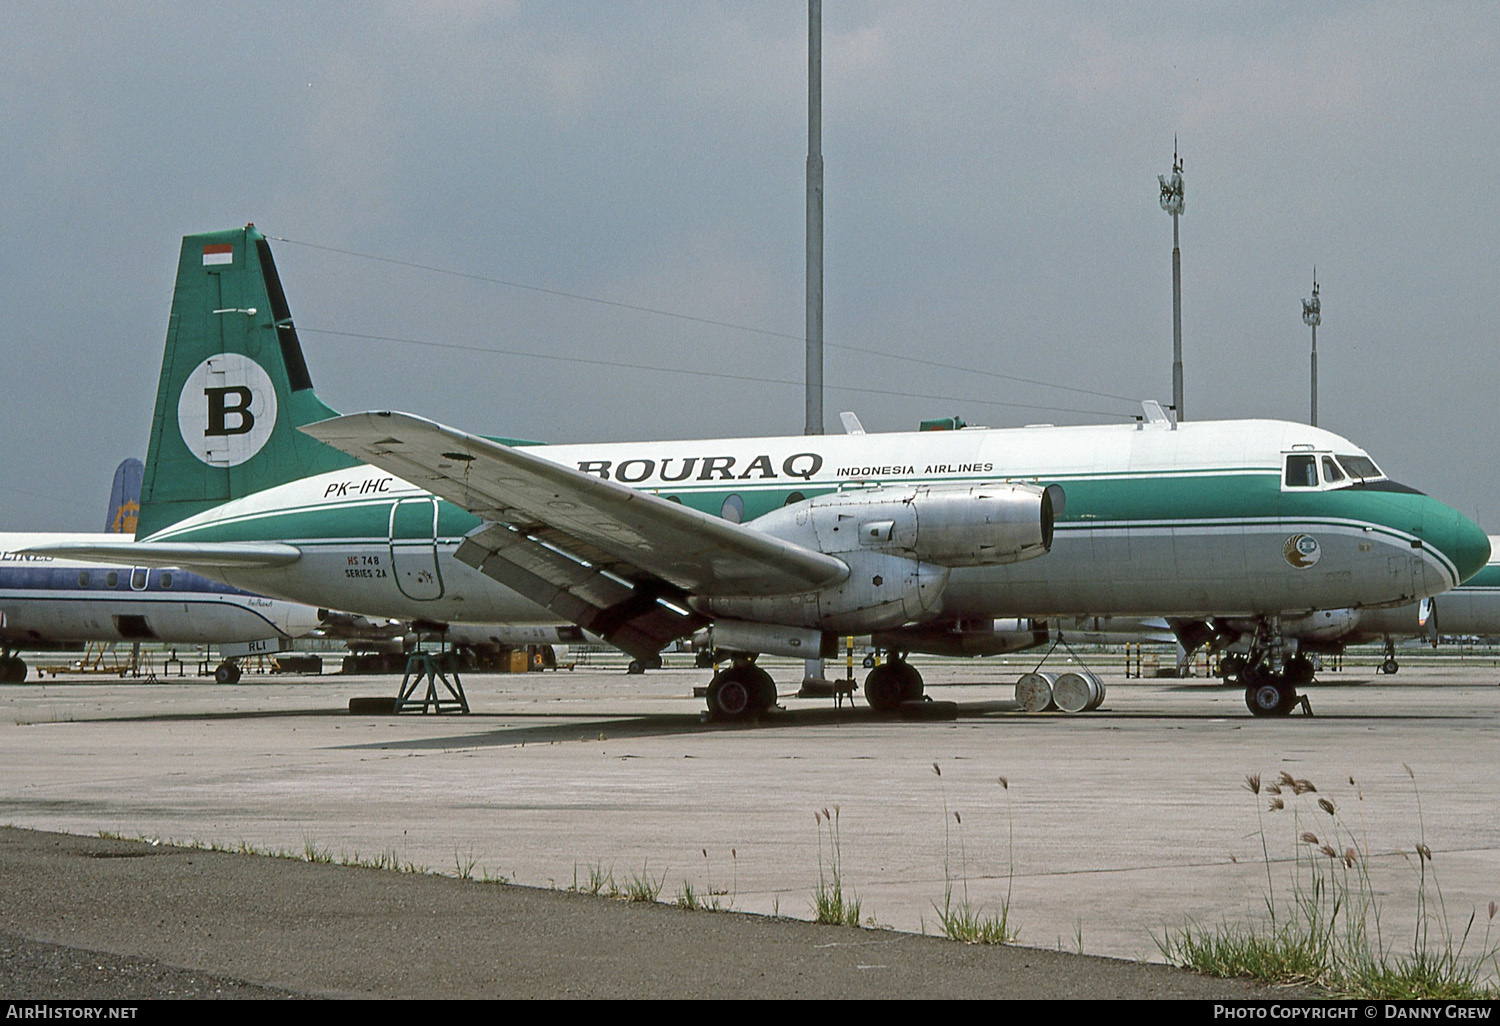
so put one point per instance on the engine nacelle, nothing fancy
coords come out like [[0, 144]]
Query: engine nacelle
[[1322, 624], [770, 639], [881, 591], [957, 525], [978, 638]]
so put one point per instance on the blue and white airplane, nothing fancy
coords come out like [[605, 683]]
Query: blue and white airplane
[[47, 602]]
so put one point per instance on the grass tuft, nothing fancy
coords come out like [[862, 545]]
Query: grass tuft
[[644, 887], [963, 920], [1328, 932], [829, 903]]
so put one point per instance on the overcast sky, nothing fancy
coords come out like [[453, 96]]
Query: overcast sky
[[992, 210]]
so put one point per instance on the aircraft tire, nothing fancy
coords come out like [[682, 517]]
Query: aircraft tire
[[636, 668], [13, 670], [1270, 695], [912, 687], [1299, 671], [765, 690], [1389, 666], [732, 694], [883, 688], [226, 673]]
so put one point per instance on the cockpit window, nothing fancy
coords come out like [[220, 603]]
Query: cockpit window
[[1301, 471], [1361, 467], [1331, 471]]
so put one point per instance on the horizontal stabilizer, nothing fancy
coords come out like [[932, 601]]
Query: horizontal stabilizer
[[175, 554]]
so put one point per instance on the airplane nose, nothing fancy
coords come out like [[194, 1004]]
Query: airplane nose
[[1459, 539]]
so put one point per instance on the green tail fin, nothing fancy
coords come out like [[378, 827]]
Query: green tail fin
[[234, 386]]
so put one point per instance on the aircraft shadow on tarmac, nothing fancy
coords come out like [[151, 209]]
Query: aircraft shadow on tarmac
[[593, 728]]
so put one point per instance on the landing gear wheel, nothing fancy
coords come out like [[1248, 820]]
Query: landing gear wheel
[[1270, 695], [765, 690], [740, 692], [227, 673], [883, 688], [1300, 670], [12, 670], [892, 683], [911, 681], [1231, 666], [1389, 666]]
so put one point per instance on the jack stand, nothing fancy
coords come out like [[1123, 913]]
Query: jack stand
[[424, 666]]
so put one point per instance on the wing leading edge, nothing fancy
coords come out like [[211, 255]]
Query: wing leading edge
[[616, 561]]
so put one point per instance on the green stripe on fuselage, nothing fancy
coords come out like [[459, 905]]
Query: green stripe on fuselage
[[1115, 500]]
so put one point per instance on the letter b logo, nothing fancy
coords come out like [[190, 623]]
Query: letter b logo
[[227, 410], [227, 403]]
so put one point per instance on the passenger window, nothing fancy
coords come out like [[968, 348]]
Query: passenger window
[[733, 509], [111, 579], [1301, 472], [1331, 471]]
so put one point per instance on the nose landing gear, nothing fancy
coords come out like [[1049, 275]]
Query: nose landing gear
[[1270, 681]]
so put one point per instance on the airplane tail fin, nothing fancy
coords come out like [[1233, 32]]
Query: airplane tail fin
[[234, 386], [125, 497]]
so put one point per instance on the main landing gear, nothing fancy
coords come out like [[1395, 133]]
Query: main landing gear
[[891, 683], [740, 691]]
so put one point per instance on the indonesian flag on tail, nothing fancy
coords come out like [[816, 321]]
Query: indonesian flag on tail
[[218, 253]]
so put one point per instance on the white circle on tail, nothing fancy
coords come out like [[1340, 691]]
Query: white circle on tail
[[227, 410]]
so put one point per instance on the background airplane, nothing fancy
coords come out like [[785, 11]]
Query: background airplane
[[46, 602]]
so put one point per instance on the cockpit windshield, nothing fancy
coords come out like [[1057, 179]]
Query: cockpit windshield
[[1361, 468], [1302, 470]]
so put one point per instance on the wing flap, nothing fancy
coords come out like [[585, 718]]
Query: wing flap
[[629, 616]]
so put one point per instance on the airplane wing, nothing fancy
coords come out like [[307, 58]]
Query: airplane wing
[[616, 561], [186, 555]]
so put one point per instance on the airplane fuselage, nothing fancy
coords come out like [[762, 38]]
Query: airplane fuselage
[[45, 600], [1197, 519]]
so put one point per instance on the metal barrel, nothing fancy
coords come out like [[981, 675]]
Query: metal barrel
[[1079, 691], [1034, 692]]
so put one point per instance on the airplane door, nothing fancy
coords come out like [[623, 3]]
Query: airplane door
[[1404, 570], [414, 548]]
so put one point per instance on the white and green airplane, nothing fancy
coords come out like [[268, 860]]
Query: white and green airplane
[[780, 545]]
